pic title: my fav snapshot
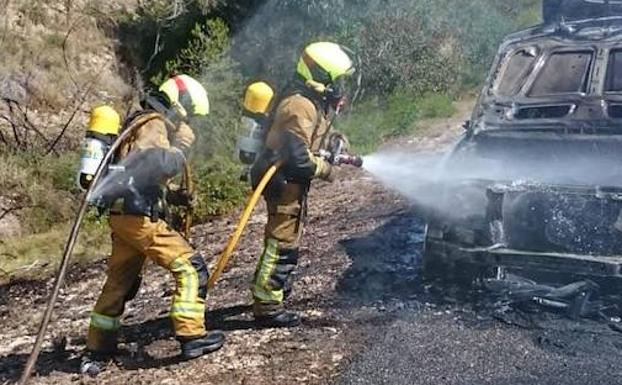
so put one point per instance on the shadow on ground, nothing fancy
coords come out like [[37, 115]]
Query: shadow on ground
[[453, 335], [385, 263], [137, 342]]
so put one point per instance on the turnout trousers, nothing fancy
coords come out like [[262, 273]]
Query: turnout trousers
[[135, 238], [273, 275]]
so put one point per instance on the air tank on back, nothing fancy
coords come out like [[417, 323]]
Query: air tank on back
[[258, 100], [103, 129]]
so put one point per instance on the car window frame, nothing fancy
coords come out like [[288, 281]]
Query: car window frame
[[587, 75], [504, 66]]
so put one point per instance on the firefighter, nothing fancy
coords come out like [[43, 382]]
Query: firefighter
[[300, 129], [154, 154]]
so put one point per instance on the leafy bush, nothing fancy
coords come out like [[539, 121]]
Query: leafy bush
[[40, 188], [435, 106], [398, 53], [400, 113], [219, 188], [364, 126], [205, 45], [371, 123]]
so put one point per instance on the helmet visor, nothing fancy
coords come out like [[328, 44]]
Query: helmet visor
[[336, 93]]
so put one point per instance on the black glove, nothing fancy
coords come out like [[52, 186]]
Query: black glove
[[259, 169], [179, 198], [298, 166]]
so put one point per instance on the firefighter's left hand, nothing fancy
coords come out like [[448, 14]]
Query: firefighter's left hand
[[184, 138], [336, 140]]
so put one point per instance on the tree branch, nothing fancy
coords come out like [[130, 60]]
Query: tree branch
[[75, 111]]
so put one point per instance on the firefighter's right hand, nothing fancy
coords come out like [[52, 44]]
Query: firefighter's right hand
[[184, 138]]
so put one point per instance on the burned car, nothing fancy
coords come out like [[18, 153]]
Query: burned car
[[536, 180]]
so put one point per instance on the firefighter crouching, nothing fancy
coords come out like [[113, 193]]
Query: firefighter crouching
[[299, 130], [154, 154]]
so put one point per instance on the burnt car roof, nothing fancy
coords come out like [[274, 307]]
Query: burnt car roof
[[559, 75], [598, 29]]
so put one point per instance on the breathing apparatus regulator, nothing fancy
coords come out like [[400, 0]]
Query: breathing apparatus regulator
[[324, 66], [258, 100], [103, 129]]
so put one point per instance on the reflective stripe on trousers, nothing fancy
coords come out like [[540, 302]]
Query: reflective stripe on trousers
[[188, 308], [104, 322], [262, 290]]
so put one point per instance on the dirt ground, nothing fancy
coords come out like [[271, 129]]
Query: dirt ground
[[338, 306], [368, 316]]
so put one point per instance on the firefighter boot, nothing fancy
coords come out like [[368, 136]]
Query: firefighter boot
[[282, 319], [193, 348], [273, 273], [93, 363]]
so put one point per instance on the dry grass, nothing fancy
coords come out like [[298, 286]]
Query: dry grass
[[39, 255], [56, 61], [39, 190]]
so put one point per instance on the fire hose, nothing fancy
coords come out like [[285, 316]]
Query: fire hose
[[71, 241], [189, 211], [252, 202], [73, 236], [246, 214]]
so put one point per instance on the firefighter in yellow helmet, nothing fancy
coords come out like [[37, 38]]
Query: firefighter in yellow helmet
[[105, 120], [154, 154], [300, 129]]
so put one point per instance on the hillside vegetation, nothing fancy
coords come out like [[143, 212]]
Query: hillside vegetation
[[62, 57]]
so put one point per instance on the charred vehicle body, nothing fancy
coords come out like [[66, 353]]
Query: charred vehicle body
[[537, 176]]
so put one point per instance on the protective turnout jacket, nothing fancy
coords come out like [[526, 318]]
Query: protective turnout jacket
[[298, 131], [149, 161], [151, 156]]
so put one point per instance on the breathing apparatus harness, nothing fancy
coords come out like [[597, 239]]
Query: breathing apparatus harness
[[153, 201]]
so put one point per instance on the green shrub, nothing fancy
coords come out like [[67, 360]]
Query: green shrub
[[372, 123], [400, 113], [219, 189], [60, 170], [435, 106], [206, 44], [364, 126]]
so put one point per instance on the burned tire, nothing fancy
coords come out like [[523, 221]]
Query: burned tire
[[437, 268], [432, 266]]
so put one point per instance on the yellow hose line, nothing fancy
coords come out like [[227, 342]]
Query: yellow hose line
[[189, 185], [235, 238]]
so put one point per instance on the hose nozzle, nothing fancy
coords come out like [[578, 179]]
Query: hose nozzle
[[352, 160]]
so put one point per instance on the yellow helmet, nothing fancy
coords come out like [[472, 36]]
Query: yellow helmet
[[324, 63], [187, 95], [258, 98], [105, 120]]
